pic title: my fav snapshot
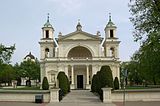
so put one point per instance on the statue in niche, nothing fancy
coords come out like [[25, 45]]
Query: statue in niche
[[52, 77], [112, 52]]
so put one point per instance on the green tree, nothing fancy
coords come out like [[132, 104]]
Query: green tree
[[18, 73], [96, 86], [63, 82], [116, 83], [146, 20], [148, 59], [6, 70], [6, 53], [45, 84], [145, 17], [93, 86], [106, 77], [7, 74], [102, 79], [98, 82], [68, 83], [30, 69], [134, 74]]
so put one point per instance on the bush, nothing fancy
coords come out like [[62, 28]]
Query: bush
[[63, 82], [102, 79], [93, 86], [68, 83], [106, 77], [116, 83], [45, 84], [98, 82]]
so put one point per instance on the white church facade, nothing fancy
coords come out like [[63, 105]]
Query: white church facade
[[79, 54]]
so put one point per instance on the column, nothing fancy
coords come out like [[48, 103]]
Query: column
[[87, 74], [66, 70], [72, 75], [87, 78], [72, 78]]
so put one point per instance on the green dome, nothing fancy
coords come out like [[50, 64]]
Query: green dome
[[110, 23], [47, 24]]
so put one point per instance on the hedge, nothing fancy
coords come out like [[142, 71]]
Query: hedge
[[106, 77], [103, 78], [45, 84], [63, 82], [116, 83]]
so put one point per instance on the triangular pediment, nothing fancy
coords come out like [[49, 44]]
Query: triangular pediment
[[79, 35]]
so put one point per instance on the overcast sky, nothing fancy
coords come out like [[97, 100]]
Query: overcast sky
[[21, 22]]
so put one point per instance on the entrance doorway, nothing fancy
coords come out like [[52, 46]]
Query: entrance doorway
[[79, 81]]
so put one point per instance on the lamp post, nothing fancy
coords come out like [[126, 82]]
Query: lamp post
[[124, 85]]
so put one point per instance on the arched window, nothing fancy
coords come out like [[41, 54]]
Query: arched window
[[111, 33], [46, 52], [47, 33]]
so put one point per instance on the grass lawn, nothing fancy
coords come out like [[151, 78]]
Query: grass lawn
[[143, 87], [136, 87]]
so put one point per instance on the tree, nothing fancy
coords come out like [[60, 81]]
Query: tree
[[98, 82], [93, 86], [102, 79], [7, 74], [116, 83], [148, 59], [30, 69], [63, 82], [68, 83], [18, 73], [6, 70], [134, 72], [106, 77], [45, 84], [146, 20], [145, 17], [6, 53]]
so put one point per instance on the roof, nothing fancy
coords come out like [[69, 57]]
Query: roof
[[95, 37], [110, 23], [47, 24], [30, 56]]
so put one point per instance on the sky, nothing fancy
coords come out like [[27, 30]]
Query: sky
[[21, 22]]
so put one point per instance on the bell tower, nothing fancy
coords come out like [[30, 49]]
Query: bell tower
[[111, 43], [47, 44]]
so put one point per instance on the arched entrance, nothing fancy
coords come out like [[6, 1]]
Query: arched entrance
[[79, 74], [79, 52]]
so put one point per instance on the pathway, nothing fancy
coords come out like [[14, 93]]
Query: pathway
[[80, 98]]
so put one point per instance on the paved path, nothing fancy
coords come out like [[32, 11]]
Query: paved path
[[80, 98]]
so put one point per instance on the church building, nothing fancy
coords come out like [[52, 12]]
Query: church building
[[79, 54]]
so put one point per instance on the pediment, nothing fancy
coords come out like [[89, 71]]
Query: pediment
[[79, 36]]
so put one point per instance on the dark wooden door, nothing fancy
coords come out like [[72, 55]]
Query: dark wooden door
[[79, 81]]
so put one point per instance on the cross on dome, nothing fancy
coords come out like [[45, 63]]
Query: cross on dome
[[48, 17], [47, 24], [79, 26]]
